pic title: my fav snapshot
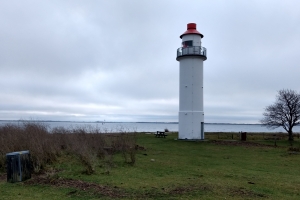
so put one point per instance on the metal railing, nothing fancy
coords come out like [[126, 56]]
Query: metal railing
[[183, 51]]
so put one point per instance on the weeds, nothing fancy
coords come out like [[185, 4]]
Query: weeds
[[126, 144], [46, 145]]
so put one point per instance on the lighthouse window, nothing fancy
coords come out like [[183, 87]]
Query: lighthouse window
[[188, 43]]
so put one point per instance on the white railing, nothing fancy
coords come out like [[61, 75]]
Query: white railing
[[183, 51]]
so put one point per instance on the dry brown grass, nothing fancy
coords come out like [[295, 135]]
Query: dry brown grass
[[46, 145]]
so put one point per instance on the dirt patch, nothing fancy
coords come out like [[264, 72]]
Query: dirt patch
[[187, 189], [181, 190], [77, 184], [240, 143], [243, 192]]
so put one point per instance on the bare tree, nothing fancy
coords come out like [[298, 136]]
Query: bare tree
[[285, 112]]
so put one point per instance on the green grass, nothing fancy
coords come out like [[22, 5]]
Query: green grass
[[174, 169]]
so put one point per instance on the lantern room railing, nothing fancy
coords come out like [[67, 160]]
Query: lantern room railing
[[189, 51]]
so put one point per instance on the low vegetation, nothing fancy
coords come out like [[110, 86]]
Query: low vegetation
[[142, 166], [46, 146]]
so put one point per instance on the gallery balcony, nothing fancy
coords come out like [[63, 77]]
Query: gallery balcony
[[191, 51]]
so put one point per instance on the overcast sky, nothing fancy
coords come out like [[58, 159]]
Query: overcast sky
[[116, 60]]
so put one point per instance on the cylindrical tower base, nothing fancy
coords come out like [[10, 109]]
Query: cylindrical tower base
[[191, 125]]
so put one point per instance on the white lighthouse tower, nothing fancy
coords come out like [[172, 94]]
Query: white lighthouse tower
[[191, 56]]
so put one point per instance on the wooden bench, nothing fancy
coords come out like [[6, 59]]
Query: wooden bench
[[160, 134]]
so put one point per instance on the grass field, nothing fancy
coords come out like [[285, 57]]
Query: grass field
[[166, 168]]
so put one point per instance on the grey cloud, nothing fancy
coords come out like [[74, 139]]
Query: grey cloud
[[90, 60]]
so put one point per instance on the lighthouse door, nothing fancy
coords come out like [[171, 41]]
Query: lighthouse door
[[202, 130]]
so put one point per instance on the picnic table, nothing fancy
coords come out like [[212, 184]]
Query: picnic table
[[160, 134]]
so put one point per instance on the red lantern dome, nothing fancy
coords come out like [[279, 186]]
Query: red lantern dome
[[191, 29]]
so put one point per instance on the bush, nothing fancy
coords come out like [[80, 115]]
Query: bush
[[45, 146]]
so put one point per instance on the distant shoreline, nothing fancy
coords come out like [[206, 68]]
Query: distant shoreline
[[119, 122]]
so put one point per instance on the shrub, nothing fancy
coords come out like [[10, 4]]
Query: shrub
[[46, 145]]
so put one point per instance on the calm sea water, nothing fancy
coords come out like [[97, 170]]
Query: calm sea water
[[153, 127]]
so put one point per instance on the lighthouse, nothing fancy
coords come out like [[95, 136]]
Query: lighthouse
[[191, 56]]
